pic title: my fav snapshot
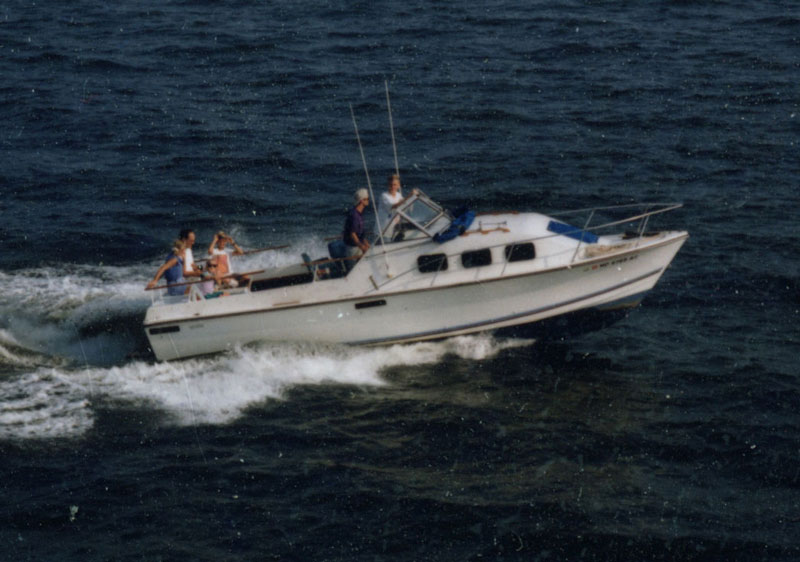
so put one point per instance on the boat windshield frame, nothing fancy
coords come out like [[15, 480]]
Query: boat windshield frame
[[408, 213]]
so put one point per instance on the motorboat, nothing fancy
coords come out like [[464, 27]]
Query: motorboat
[[431, 273]]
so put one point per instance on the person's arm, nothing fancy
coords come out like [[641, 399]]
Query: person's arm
[[237, 251], [212, 245], [362, 245], [160, 272]]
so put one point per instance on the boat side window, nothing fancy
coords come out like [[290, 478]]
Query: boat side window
[[520, 252], [278, 282], [476, 258], [432, 263]]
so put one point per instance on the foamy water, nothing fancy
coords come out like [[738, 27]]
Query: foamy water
[[57, 401]]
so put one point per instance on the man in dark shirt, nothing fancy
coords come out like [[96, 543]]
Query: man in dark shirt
[[353, 235]]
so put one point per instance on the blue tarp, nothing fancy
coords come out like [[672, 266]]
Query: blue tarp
[[572, 232], [459, 225]]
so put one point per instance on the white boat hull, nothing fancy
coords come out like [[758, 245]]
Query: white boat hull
[[407, 310]]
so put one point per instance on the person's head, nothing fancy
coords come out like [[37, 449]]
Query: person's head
[[394, 184], [212, 264], [187, 235], [361, 198], [177, 247], [222, 240]]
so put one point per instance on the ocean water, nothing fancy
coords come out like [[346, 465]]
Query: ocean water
[[671, 435]]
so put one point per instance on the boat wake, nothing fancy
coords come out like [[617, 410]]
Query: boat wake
[[77, 314], [59, 401], [70, 342]]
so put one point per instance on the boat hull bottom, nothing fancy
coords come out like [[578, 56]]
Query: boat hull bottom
[[574, 323]]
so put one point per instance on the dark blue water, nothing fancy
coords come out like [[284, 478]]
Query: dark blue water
[[672, 435]]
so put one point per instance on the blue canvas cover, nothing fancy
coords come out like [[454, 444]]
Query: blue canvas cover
[[459, 225], [572, 232]]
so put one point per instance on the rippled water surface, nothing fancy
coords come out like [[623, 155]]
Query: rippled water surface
[[671, 435]]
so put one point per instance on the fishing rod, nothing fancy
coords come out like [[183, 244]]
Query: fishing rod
[[369, 183], [248, 252], [186, 283], [391, 128]]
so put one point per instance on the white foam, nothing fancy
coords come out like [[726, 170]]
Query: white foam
[[43, 309], [57, 402], [53, 294], [42, 404]]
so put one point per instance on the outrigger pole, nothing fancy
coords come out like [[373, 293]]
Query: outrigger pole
[[369, 183], [391, 128]]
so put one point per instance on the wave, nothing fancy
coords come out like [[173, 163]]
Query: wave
[[59, 402], [14, 356]]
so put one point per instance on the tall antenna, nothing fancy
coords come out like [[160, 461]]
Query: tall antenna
[[366, 171], [391, 128]]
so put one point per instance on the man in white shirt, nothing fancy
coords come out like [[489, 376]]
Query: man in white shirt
[[189, 267], [390, 200]]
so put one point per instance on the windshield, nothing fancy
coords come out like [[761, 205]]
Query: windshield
[[420, 212]]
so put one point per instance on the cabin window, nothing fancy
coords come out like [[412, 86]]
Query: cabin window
[[278, 282], [520, 252], [477, 258], [432, 263]]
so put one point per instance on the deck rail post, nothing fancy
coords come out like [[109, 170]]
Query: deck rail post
[[580, 241]]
